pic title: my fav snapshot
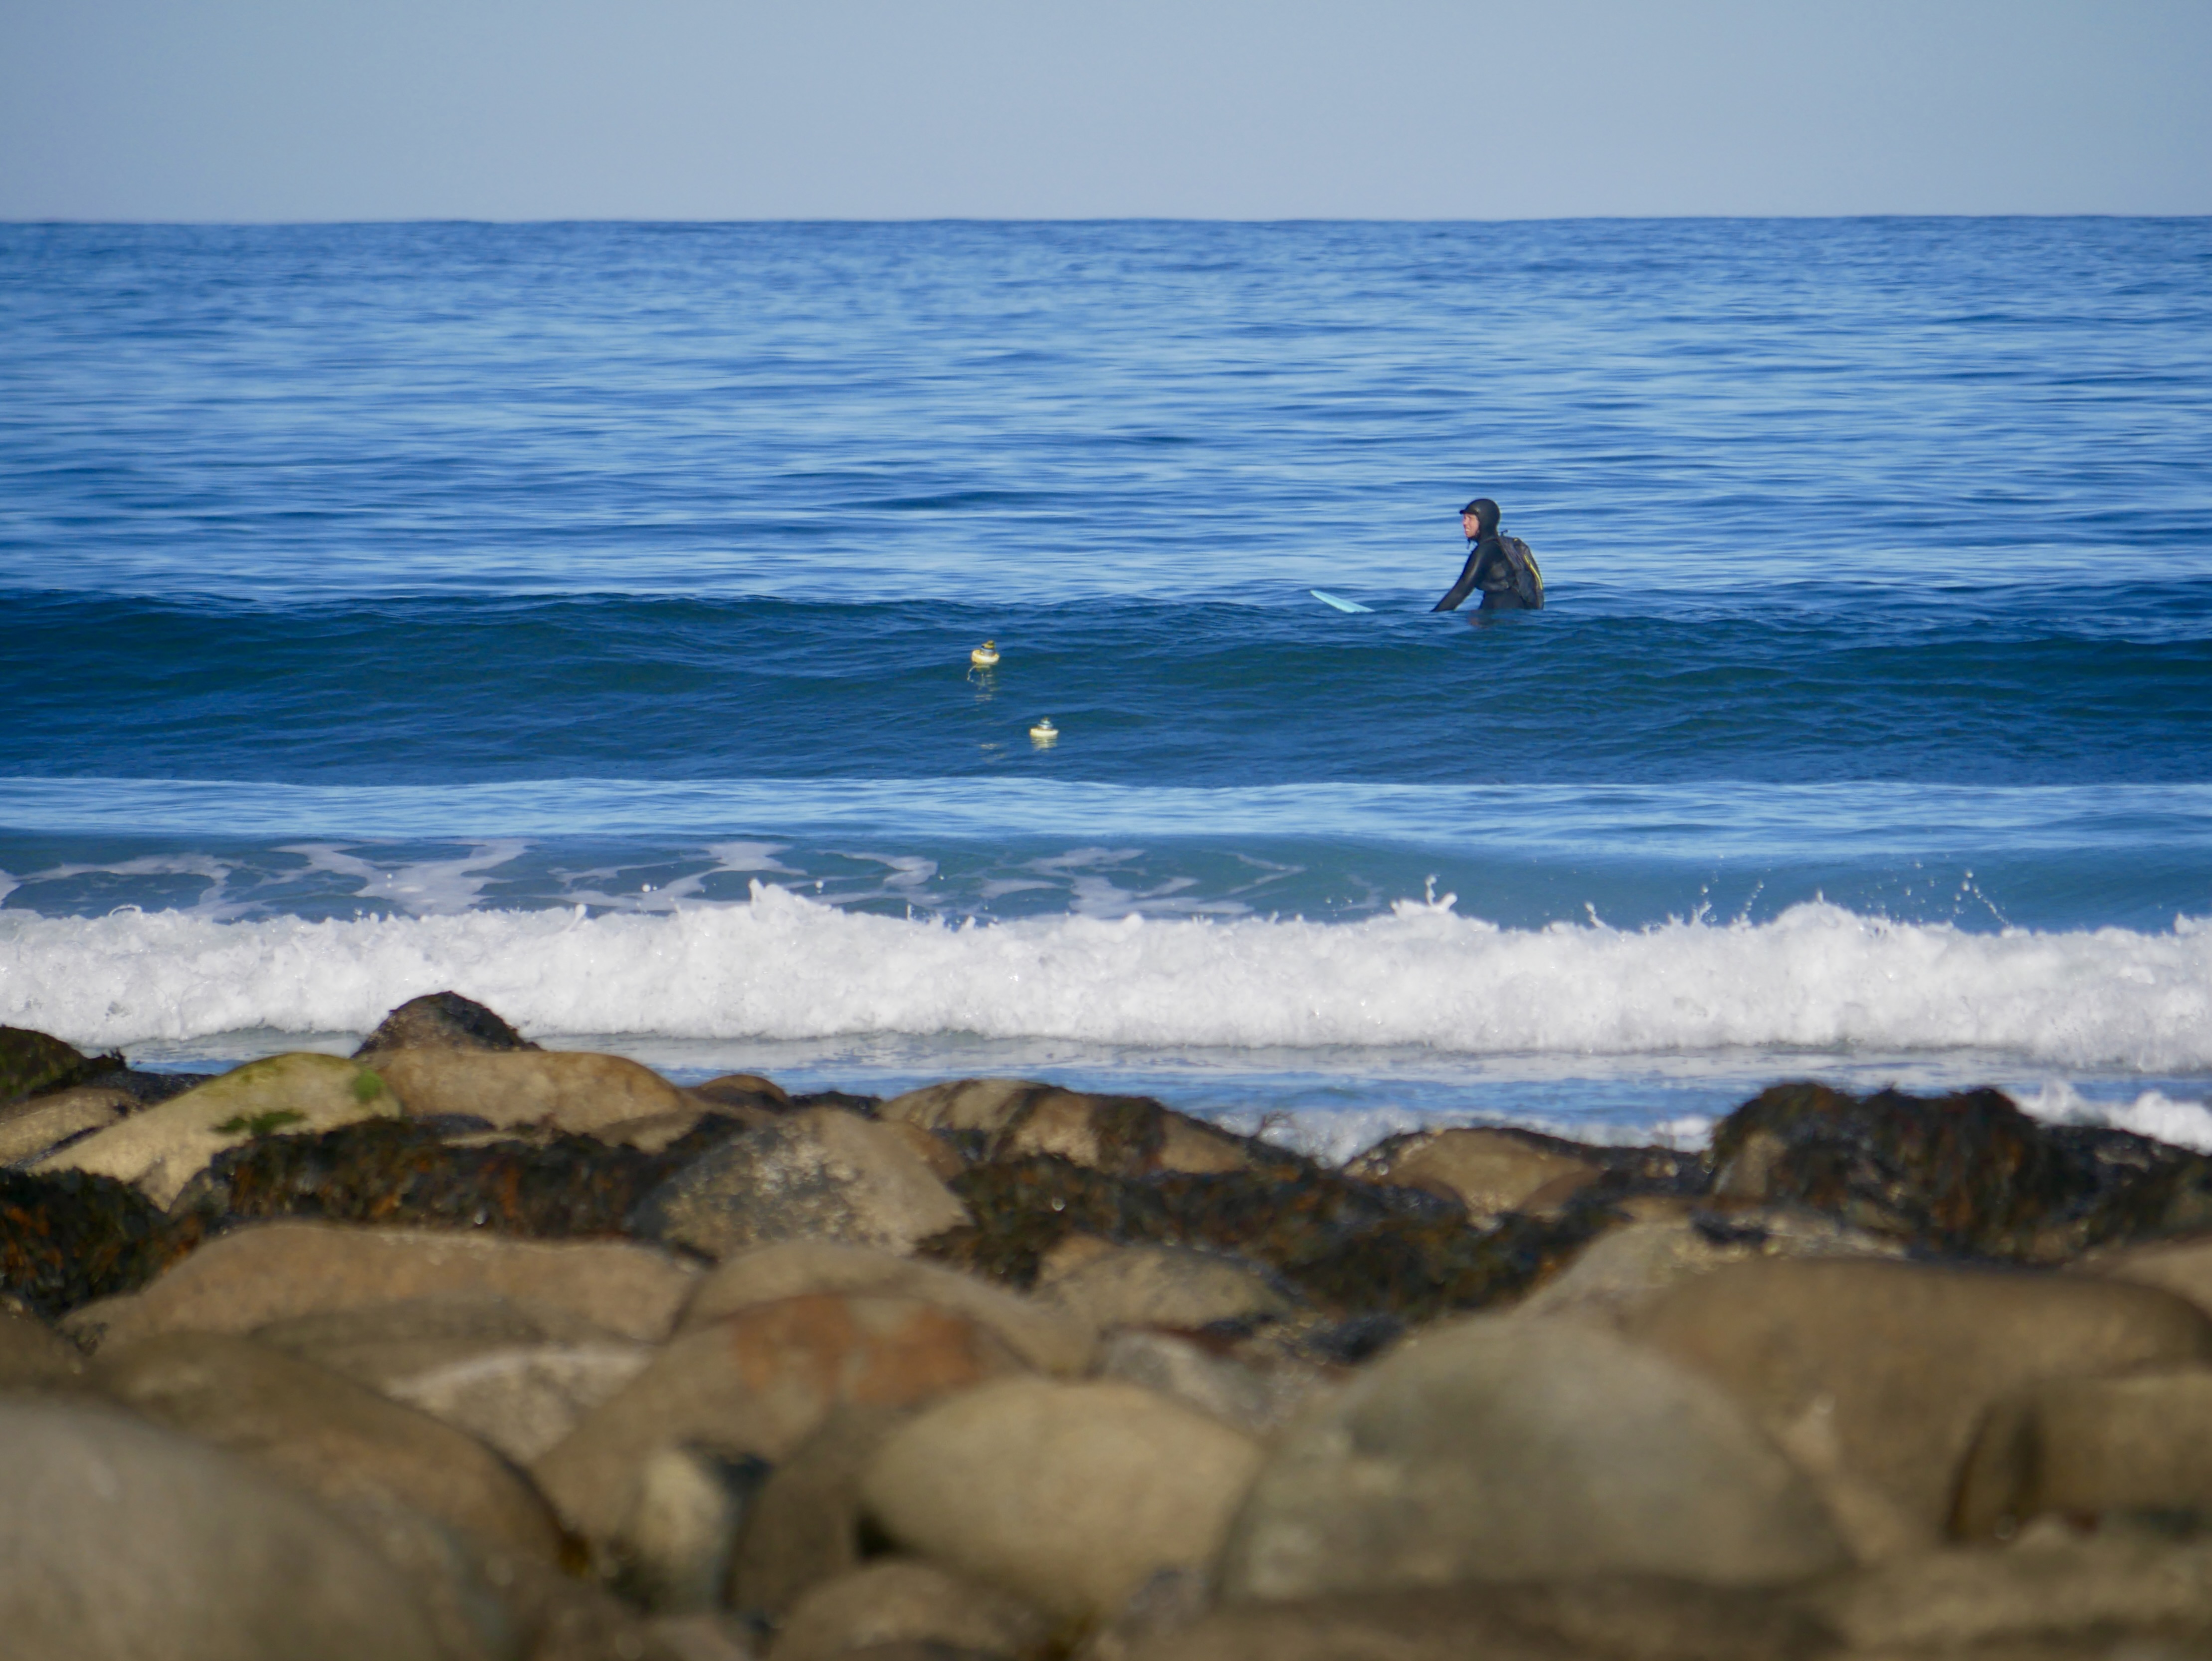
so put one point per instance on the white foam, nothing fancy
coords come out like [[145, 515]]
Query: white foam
[[1818, 977], [2153, 1113]]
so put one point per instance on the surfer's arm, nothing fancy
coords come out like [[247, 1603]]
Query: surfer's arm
[[1463, 587]]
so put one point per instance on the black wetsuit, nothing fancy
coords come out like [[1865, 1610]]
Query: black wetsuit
[[1491, 569]]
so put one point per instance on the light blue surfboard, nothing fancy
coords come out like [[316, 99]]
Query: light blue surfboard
[[1340, 604]]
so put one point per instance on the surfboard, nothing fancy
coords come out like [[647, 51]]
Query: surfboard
[[1340, 604]]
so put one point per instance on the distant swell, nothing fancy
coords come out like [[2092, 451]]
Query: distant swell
[[781, 966]]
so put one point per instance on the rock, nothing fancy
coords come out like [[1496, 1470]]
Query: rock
[[33, 1356], [333, 1437], [1876, 1375], [2182, 1266], [1601, 1620], [1069, 1495], [1624, 1268], [656, 1132], [1163, 1286], [1013, 1118], [743, 1090], [441, 1020], [31, 1063], [572, 1091], [70, 1238], [1967, 1172], [2087, 1448], [120, 1541], [804, 1526], [816, 1173], [1350, 1248], [896, 1601], [1256, 1401], [702, 1637], [517, 1378], [1044, 1336], [31, 1128], [757, 1383], [1487, 1171], [276, 1271], [162, 1148], [1497, 1448], [674, 1548], [2048, 1588], [537, 1183]]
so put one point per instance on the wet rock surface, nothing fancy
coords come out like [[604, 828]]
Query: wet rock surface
[[577, 1362], [70, 1238], [441, 1020]]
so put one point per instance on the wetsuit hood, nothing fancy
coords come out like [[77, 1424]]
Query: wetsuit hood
[[1485, 515]]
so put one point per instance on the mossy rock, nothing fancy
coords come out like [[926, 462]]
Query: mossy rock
[[163, 1147], [33, 1062]]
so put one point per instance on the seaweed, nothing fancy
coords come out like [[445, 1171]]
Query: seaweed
[[70, 1236]]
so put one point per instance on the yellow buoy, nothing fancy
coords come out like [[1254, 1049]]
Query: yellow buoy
[[984, 656], [1044, 733]]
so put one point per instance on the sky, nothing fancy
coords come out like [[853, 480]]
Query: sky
[[280, 109]]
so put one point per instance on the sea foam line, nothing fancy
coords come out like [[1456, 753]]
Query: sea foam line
[[782, 966]]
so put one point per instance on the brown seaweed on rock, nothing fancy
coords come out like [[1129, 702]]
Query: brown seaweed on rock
[[71, 1237], [1966, 1174], [403, 1171], [1353, 1248]]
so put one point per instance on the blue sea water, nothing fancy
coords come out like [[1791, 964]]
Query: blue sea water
[[578, 616]]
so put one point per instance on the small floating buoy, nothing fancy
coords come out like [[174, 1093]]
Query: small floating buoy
[[1044, 733], [986, 655]]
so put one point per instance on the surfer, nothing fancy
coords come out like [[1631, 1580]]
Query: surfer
[[1501, 567]]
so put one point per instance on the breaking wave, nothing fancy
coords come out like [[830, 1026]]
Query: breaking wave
[[781, 966]]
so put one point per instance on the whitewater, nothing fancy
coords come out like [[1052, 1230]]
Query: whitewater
[[781, 966]]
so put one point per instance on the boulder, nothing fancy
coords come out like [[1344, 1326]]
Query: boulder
[[743, 1090], [1623, 1267], [1964, 1173], [269, 1272], [336, 1439], [672, 1552], [1876, 1375], [33, 1356], [1161, 1286], [567, 1090], [1129, 1136], [72, 1235], [757, 1383], [40, 1125], [1258, 1401], [896, 1601], [1046, 1337], [1497, 1448], [804, 1526], [517, 1377], [2183, 1267], [1601, 1620], [163, 1147], [816, 1173], [1069, 1495], [119, 1540], [33, 1062], [2085, 1448], [441, 1020], [2050, 1587], [1488, 1170]]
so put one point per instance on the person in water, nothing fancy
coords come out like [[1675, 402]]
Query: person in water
[[1492, 566]]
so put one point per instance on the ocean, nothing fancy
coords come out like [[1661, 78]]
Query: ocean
[[578, 615]]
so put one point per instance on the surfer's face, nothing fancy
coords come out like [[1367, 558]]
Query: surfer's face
[[1470, 524]]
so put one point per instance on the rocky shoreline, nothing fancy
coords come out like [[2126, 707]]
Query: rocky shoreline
[[460, 1349]]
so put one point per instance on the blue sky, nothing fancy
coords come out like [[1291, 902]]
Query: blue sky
[[729, 109]]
